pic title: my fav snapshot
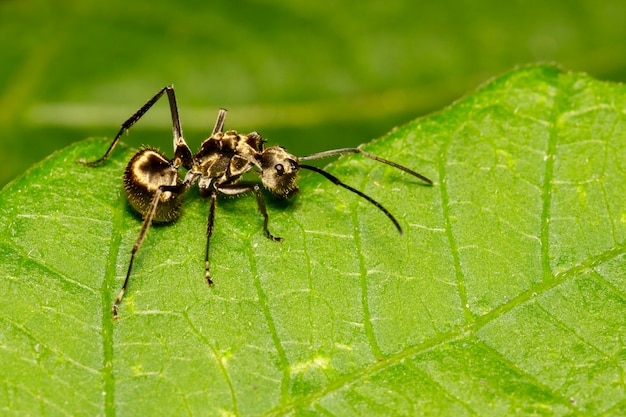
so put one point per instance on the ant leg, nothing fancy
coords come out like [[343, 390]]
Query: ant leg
[[237, 189], [343, 151], [183, 154], [125, 126], [209, 232], [219, 123], [142, 234], [260, 201]]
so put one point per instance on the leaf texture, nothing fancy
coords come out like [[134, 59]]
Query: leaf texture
[[504, 296]]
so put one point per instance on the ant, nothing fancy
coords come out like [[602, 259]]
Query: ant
[[155, 189]]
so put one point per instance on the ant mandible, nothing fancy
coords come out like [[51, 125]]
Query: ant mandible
[[154, 188]]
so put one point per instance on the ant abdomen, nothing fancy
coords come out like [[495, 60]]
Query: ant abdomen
[[146, 172]]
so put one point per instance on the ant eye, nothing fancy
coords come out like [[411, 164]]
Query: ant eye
[[280, 169]]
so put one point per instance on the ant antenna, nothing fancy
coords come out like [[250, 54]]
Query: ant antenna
[[343, 151], [338, 182]]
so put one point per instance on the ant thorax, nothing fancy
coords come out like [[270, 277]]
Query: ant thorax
[[224, 157]]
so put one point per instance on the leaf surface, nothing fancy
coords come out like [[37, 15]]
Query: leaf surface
[[505, 294]]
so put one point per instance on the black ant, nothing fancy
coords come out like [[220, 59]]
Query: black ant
[[154, 188]]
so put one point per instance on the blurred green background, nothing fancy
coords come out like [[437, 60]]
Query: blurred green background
[[307, 75]]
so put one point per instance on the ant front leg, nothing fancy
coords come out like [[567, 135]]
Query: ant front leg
[[238, 189]]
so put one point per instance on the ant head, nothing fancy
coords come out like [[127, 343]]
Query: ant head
[[279, 171]]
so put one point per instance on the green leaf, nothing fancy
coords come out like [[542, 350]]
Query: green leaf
[[506, 294]]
